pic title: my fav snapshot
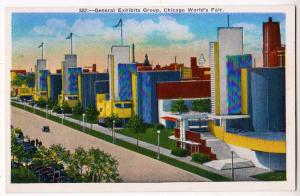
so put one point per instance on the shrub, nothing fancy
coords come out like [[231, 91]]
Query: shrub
[[136, 125], [200, 157], [66, 108], [56, 109], [51, 104], [108, 121], [22, 175], [41, 103], [180, 152], [159, 126], [179, 106], [91, 114], [201, 105], [78, 110]]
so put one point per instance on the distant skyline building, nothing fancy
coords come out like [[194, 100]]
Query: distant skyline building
[[202, 60], [273, 51], [230, 43]]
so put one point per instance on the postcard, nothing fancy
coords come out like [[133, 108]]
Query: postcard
[[150, 98]]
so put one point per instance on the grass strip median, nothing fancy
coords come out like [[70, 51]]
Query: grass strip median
[[171, 161], [271, 176]]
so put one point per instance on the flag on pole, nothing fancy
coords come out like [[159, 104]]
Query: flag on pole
[[41, 45], [119, 24], [70, 36]]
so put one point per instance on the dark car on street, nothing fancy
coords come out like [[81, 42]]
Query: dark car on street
[[45, 129]]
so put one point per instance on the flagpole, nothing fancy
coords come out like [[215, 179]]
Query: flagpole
[[42, 51], [121, 32], [71, 44]]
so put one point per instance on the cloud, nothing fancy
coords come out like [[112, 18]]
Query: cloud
[[133, 30], [167, 26], [247, 26], [87, 27], [52, 27]]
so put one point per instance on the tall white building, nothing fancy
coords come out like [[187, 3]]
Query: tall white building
[[230, 43], [121, 54], [70, 62], [40, 65], [214, 77]]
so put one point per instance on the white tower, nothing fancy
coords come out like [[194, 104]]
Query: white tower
[[230, 43]]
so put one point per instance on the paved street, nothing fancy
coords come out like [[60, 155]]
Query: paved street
[[133, 167]]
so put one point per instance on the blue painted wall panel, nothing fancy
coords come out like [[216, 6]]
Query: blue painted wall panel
[[55, 86], [73, 80], [266, 101], [234, 64], [125, 83], [43, 80], [102, 87], [147, 99], [89, 87]]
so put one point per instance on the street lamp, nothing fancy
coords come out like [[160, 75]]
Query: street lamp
[[232, 169], [83, 115], [63, 115], [46, 111], [113, 131], [158, 149]]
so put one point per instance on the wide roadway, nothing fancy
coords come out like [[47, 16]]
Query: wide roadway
[[133, 167]]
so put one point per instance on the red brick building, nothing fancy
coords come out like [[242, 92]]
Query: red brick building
[[273, 51], [201, 73]]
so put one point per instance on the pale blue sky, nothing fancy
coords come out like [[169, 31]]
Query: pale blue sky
[[156, 34]]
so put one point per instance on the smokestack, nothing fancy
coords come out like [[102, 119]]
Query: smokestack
[[133, 55], [270, 19], [193, 62], [94, 68]]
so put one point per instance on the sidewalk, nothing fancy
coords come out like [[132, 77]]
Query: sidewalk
[[242, 174]]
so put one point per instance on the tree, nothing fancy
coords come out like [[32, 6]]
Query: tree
[[179, 106], [101, 167], [59, 154], [78, 110], [109, 120], [18, 81], [19, 153], [51, 104], [17, 150], [13, 146], [91, 114], [42, 156], [80, 156], [29, 80], [137, 125], [77, 162]]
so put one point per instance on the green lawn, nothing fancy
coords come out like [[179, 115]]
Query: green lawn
[[79, 117], [193, 169], [150, 136], [272, 176], [22, 175]]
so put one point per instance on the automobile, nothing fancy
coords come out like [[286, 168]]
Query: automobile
[[45, 129]]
